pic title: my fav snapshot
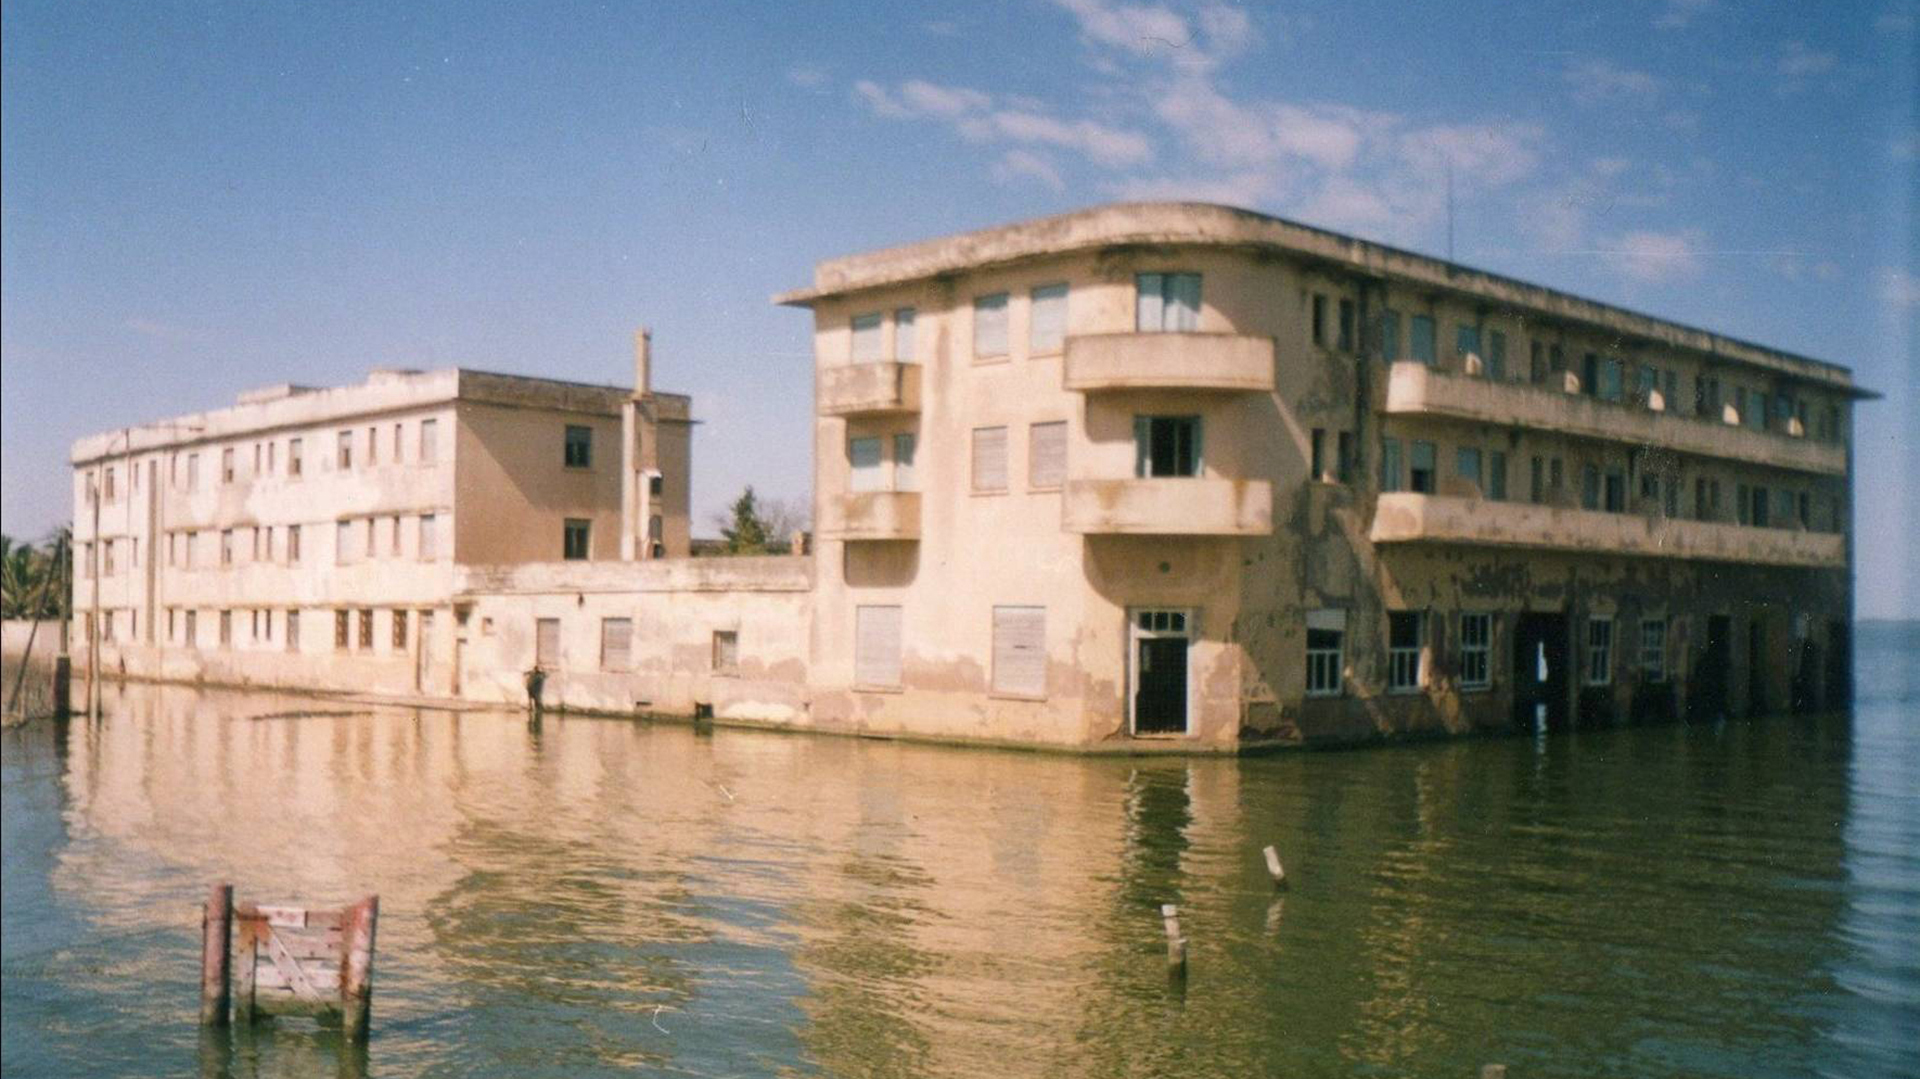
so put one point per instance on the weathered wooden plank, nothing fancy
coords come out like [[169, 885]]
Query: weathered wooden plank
[[216, 945], [356, 969], [245, 959], [289, 966], [325, 979], [310, 947], [292, 917]]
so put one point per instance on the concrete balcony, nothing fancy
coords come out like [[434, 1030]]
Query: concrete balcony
[[1416, 389], [1402, 517], [1215, 362], [871, 515], [1182, 506], [869, 389]]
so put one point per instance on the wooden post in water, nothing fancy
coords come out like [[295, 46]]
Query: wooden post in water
[[1176, 944], [246, 957], [216, 936], [356, 968], [1274, 868]]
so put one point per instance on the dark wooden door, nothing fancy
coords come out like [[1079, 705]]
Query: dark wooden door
[[1540, 671], [1160, 696]]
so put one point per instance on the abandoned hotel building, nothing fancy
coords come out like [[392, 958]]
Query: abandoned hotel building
[[1163, 475]]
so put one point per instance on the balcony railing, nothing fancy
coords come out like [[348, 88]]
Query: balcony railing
[[1182, 506], [1402, 517], [1414, 388], [1214, 362], [869, 389], [871, 515]]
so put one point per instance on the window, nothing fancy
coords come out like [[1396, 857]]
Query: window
[[1476, 650], [1346, 326], [1047, 455], [1166, 446], [1556, 476], [1319, 309], [1653, 649], [340, 624], [1497, 356], [429, 441], [293, 545], [1047, 327], [399, 630], [1317, 455], [656, 484], [293, 457], [344, 458], [1536, 363], [1326, 641], [576, 539], [1616, 491], [1497, 476], [546, 643], [106, 557], [1599, 651], [726, 651], [108, 483], [226, 546], [903, 322], [1167, 303], [1612, 379], [293, 631], [1389, 464], [1466, 341], [372, 548], [876, 646], [253, 554], [1405, 672], [1706, 397], [1646, 382], [429, 538], [1020, 651], [579, 447], [869, 343], [1390, 335], [272, 457], [1762, 510], [990, 326], [342, 542], [1589, 487], [616, 644], [193, 472], [193, 629], [373, 447], [397, 444], [1343, 457], [904, 477], [863, 462], [226, 470], [989, 459], [1671, 502], [366, 628], [393, 536], [1743, 504], [1649, 485], [1806, 518], [1420, 338], [1706, 498], [1466, 464], [1421, 470]]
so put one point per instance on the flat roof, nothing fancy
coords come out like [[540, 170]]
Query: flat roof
[[1210, 224]]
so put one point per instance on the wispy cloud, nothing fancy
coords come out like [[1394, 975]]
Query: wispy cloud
[[1603, 82], [807, 76], [1017, 165], [1899, 289], [1679, 14], [975, 116], [1799, 62], [1655, 257]]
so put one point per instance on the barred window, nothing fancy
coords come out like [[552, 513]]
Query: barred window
[[1326, 645], [1653, 649], [1476, 650], [1404, 665]]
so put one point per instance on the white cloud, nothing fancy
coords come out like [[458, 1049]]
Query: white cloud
[[1899, 289], [1603, 82], [1015, 165], [1678, 14], [1482, 155], [808, 76], [1797, 61], [1655, 257], [1142, 29], [881, 102], [971, 113], [928, 99]]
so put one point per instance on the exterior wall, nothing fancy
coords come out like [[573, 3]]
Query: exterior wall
[[516, 491], [675, 606]]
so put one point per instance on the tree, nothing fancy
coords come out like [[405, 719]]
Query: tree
[[35, 582], [747, 534]]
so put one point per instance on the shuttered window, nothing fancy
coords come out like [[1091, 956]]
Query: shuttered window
[[1047, 331], [1167, 302], [903, 335], [868, 339], [1020, 651], [904, 478], [546, 643], [990, 326], [990, 458], [616, 644], [876, 646], [863, 458], [1047, 455]]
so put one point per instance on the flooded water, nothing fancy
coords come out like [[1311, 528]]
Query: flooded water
[[598, 897]]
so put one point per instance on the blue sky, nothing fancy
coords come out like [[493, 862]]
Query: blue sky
[[201, 198]]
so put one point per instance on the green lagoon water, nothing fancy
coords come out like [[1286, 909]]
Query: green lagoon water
[[599, 897]]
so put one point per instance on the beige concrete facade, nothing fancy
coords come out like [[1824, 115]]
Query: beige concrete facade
[[312, 538], [1688, 511]]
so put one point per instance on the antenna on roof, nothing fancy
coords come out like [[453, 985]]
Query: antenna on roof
[[1449, 211]]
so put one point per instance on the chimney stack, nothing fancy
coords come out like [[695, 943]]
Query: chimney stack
[[642, 361]]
